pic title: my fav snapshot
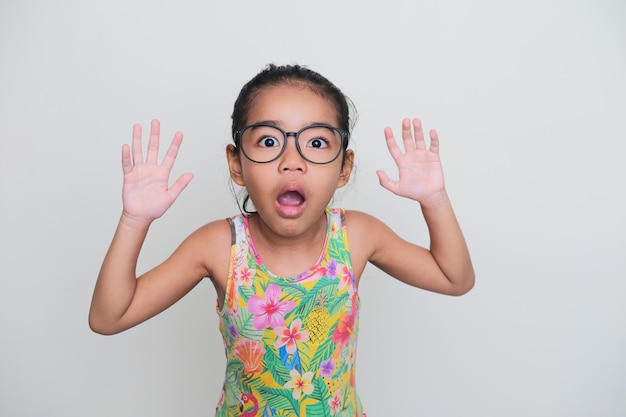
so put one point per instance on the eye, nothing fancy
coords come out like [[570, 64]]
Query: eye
[[318, 142], [268, 142]]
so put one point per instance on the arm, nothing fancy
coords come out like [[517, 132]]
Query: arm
[[120, 300], [446, 267]]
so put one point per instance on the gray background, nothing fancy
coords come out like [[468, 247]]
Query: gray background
[[529, 98]]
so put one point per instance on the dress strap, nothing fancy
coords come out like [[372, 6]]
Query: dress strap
[[237, 230]]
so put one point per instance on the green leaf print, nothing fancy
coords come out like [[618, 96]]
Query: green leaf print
[[282, 399], [274, 365], [321, 391], [309, 301], [304, 350], [337, 250], [245, 325], [233, 375], [338, 304], [344, 366], [348, 410], [318, 409], [335, 253], [245, 292], [278, 402], [262, 279], [293, 291], [324, 351]]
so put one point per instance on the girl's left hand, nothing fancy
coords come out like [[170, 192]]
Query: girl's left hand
[[420, 171]]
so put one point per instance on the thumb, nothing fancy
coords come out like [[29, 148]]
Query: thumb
[[180, 184], [385, 181]]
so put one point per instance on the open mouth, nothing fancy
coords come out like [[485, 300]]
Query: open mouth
[[291, 198]]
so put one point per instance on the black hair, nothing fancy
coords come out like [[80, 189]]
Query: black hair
[[272, 76]]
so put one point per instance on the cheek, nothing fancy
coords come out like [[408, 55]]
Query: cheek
[[256, 176], [330, 175]]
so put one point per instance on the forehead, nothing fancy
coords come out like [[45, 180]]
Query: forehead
[[291, 107]]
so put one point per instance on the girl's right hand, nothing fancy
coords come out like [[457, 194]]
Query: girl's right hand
[[146, 193]]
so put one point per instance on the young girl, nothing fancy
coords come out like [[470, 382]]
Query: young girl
[[287, 271]]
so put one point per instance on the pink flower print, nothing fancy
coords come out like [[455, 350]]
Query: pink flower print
[[245, 275], [335, 403], [344, 329], [289, 336], [345, 278], [327, 368], [269, 312]]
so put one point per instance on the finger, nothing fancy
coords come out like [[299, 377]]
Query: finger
[[172, 151], [407, 135], [392, 145], [419, 134], [153, 142], [136, 145], [127, 164], [180, 184], [434, 141], [387, 182]]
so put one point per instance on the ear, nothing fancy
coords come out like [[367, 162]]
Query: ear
[[346, 169], [234, 164]]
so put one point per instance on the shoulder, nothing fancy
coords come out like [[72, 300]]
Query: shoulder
[[362, 228], [215, 232], [358, 221], [209, 246], [371, 236], [366, 235]]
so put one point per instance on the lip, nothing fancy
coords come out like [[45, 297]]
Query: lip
[[290, 210]]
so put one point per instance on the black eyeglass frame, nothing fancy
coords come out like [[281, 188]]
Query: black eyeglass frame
[[343, 133]]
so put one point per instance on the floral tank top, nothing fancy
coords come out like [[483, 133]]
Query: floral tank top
[[290, 341]]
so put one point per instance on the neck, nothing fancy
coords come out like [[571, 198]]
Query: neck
[[289, 232], [288, 254]]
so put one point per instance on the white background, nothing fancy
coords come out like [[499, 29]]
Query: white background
[[529, 98]]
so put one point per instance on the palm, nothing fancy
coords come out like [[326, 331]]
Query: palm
[[146, 193], [419, 168]]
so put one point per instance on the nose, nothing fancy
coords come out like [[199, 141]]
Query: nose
[[291, 160]]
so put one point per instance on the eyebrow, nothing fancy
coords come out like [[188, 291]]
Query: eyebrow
[[269, 122], [277, 123]]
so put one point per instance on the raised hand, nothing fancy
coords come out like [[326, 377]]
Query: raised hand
[[146, 193], [419, 168]]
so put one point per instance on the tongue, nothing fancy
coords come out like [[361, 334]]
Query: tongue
[[290, 198]]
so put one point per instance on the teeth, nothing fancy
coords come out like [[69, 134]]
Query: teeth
[[291, 198]]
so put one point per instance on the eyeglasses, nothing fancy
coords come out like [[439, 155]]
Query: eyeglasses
[[264, 142]]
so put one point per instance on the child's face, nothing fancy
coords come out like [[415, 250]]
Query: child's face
[[289, 187]]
